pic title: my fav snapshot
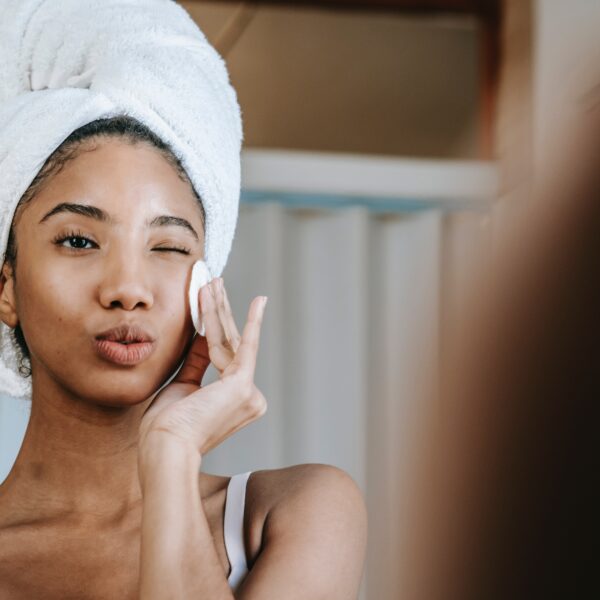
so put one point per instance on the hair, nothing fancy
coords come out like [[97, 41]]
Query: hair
[[81, 140]]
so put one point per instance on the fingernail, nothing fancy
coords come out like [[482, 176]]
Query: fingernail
[[264, 301]]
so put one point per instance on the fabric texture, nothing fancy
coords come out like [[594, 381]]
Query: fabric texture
[[235, 505], [65, 63]]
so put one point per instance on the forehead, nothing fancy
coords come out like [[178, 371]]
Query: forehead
[[124, 179]]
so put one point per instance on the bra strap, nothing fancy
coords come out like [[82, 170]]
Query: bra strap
[[234, 527]]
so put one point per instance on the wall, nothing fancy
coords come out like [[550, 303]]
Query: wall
[[566, 64], [354, 81]]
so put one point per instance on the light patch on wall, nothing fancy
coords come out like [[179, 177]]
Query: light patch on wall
[[351, 81]]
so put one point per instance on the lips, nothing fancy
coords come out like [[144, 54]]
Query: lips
[[125, 344], [127, 333]]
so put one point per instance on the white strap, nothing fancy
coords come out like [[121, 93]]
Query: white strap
[[234, 527]]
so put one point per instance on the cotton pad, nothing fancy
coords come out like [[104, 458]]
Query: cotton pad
[[200, 277]]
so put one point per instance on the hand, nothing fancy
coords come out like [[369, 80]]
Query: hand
[[202, 417]]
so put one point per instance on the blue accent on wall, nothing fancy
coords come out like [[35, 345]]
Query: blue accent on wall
[[372, 203]]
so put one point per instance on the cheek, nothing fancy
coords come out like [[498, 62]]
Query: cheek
[[171, 301], [60, 310], [52, 310]]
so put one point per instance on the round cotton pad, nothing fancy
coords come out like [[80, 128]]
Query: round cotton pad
[[200, 277]]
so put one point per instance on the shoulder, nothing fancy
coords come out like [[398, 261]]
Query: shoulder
[[314, 517], [310, 485]]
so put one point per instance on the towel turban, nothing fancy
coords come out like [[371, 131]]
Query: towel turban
[[65, 63]]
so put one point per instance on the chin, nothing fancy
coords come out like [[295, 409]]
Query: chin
[[115, 389], [123, 399], [99, 382]]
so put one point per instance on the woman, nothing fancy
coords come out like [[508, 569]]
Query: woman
[[101, 469], [106, 498]]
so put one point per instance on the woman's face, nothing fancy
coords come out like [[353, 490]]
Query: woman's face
[[79, 275]]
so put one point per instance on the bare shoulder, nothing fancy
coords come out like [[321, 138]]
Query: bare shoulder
[[313, 532], [311, 485]]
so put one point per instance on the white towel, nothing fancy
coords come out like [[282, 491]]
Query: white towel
[[65, 63]]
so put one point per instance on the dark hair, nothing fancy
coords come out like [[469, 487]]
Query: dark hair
[[123, 126]]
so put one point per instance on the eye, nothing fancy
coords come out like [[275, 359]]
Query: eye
[[76, 238], [180, 249], [77, 241]]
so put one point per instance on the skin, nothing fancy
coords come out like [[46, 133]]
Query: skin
[[90, 502]]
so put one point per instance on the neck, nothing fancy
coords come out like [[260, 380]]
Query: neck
[[78, 461]]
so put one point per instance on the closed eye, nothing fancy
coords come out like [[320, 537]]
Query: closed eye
[[182, 250]]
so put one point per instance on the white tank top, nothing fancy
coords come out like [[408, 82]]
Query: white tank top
[[235, 503]]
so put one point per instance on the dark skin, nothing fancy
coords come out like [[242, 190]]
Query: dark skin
[[71, 507]]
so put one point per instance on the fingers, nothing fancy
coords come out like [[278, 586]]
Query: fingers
[[220, 351], [245, 357], [225, 345], [226, 315]]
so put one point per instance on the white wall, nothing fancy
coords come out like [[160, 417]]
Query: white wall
[[14, 416], [566, 60]]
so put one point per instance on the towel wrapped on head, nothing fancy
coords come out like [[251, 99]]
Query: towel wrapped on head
[[66, 63]]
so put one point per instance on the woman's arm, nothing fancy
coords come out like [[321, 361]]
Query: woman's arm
[[313, 546], [178, 557], [184, 422], [314, 539], [314, 535]]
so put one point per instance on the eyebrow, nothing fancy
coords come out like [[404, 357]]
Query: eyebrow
[[93, 212]]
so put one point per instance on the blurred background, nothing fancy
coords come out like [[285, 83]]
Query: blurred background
[[385, 146]]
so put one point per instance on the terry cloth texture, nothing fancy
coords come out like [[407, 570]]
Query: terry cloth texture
[[65, 63]]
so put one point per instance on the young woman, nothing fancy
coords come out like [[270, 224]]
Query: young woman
[[106, 498]]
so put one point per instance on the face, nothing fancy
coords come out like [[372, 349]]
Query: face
[[78, 275]]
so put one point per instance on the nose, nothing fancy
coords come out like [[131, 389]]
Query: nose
[[124, 285]]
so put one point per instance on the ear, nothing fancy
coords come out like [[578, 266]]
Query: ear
[[8, 303]]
